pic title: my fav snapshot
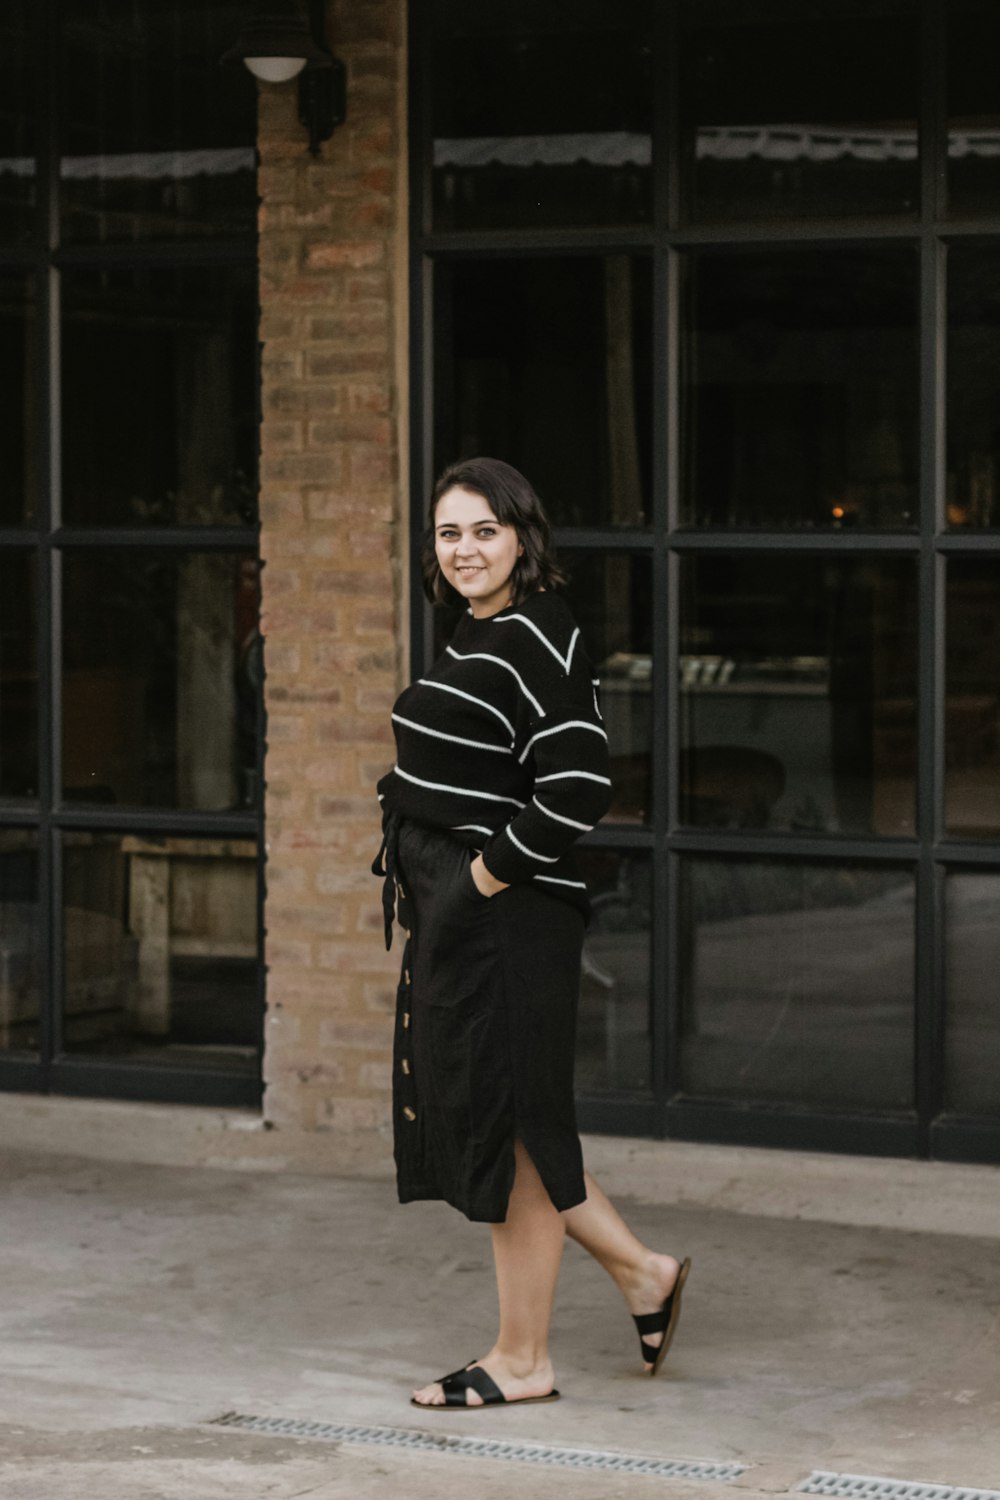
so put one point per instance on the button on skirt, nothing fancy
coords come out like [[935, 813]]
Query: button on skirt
[[485, 1030]]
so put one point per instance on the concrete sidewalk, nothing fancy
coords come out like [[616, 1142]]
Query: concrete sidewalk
[[143, 1301]]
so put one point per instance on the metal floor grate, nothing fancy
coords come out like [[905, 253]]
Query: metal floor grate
[[866, 1487], [523, 1453]]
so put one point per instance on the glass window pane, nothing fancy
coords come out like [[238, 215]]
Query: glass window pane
[[159, 396], [18, 675], [973, 105], [798, 693], [973, 385], [547, 363], [161, 663], [614, 1033], [972, 702], [18, 81], [799, 389], [797, 983], [158, 141], [972, 1078], [20, 941], [541, 114], [792, 109], [611, 596], [19, 416], [161, 950]]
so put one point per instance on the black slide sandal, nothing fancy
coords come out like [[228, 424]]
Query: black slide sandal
[[457, 1385], [665, 1321]]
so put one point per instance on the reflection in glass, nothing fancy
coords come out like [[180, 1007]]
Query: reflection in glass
[[547, 363], [611, 596], [614, 1042], [799, 389], [18, 80], [161, 949], [18, 409], [973, 385], [541, 114], [972, 701], [161, 663], [797, 983], [18, 675], [159, 396], [158, 141], [972, 1035], [792, 109], [973, 105], [798, 693], [19, 941]]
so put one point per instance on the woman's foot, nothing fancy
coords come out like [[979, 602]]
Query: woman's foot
[[647, 1289], [517, 1380]]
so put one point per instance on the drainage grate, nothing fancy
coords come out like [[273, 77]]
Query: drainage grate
[[865, 1487], [521, 1453]]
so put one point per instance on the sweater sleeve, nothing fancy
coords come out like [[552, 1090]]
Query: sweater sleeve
[[566, 750]]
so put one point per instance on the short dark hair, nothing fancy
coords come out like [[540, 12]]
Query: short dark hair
[[514, 503]]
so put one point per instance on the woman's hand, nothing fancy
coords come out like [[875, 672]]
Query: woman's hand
[[485, 883]]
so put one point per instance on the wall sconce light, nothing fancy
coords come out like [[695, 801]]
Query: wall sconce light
[[278, 44]]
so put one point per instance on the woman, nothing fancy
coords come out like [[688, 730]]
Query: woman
[[501, 764]]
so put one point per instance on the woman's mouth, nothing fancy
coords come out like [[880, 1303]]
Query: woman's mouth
[[468, 571]]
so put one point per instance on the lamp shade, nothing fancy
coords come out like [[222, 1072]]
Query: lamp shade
[[272, 45]]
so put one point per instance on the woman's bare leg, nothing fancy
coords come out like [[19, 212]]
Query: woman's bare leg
[[644, 1278], [527, 1249]]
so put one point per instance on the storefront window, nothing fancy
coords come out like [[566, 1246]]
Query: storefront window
[[158, 139], [973, 106], [972, 900], [611, 597], [161, 950], [614, 1032], [20, 941], [800, 389], [160, 396], [19, 408], [161, 660], [797, 983], [18, 675], [548, 362], [17, 124], [541, 119], [798, 693], [973, 480], [972, 702]]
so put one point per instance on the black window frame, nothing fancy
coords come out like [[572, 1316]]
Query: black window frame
[[928, 1131], [53, 1070]]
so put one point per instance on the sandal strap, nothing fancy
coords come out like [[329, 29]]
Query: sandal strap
[[655, 1322], [456, 1387]]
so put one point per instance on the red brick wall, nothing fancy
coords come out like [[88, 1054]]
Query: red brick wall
[[332, 265]]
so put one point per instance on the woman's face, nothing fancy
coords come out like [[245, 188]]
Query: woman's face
[[475, 552]]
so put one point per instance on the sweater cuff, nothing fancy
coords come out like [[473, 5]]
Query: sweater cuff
[[505, 861]]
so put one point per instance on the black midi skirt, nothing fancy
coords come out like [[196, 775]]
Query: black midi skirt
[[485, 1028]]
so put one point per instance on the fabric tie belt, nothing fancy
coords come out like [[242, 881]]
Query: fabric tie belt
[[386, 865]]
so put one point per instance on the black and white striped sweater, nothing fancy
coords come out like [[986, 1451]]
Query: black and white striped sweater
[[502, 744]]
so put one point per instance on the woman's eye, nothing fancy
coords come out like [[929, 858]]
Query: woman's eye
[[488, 531]]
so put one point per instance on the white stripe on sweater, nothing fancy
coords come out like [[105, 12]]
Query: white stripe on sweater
[[458, 791], [472, 827], [456, 739], [561, 775], [447, 688], [498, 661], [581, 885], [564, 661], [571, 822], [557, 729], [546, 859]]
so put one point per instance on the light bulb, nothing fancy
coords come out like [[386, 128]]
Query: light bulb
[[275, 69]]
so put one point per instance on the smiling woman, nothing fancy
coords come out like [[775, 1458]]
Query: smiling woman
[[502, 763]]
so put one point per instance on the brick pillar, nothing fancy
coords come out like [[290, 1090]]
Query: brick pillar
[[333, 322]]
